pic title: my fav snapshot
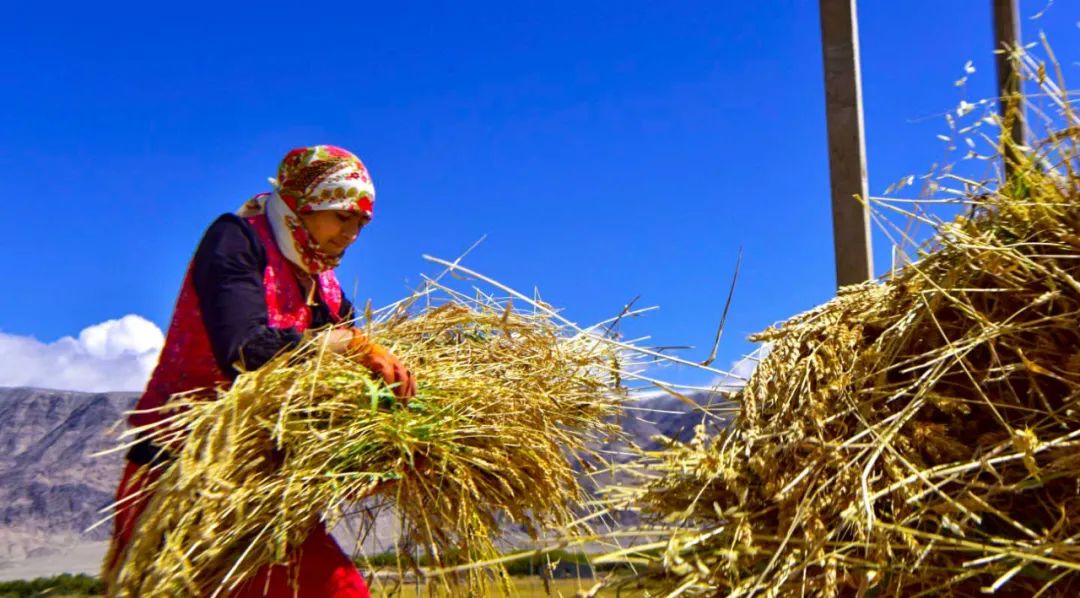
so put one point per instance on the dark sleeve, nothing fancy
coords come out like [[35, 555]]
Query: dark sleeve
[[346, 311], [320, 314], [228, 276]]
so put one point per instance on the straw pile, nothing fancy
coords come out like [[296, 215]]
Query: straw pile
[[508, 402], [917, 436]]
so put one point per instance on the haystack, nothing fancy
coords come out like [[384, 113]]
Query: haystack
[[917, 436]]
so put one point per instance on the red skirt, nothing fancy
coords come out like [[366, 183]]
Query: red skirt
[[318, 568]]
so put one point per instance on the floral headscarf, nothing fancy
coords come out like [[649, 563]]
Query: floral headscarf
[[321, 177]]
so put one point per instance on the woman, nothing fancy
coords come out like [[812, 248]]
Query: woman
[[260, 281]]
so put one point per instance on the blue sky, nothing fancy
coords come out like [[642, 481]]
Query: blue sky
[[606, 150]]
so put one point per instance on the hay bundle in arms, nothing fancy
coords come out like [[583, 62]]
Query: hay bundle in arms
[[506, 405], [919, 436]]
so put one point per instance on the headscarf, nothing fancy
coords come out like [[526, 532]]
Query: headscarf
[[321, 177]]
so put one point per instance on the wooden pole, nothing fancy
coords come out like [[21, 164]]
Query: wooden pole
[[847, 146], [1011, 101]]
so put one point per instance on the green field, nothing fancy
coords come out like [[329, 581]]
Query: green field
[[527, 587]]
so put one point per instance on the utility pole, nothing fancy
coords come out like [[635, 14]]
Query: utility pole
[[847, 146], [1010, 98]]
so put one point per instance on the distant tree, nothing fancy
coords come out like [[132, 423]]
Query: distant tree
[[60, 585]]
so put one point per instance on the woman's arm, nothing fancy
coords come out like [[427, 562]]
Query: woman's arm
[[228, 276], [346, 311]]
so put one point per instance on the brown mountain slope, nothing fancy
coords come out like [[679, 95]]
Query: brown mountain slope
[[50, 488]]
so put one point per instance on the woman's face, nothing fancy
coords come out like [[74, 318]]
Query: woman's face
[[334, 230]]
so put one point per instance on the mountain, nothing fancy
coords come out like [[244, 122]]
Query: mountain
[[664, 415], [52, 489]]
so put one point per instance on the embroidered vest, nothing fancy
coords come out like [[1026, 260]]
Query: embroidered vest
[[187, 362]]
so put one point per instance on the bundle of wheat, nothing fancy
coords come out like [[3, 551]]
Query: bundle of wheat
[[510, 405]]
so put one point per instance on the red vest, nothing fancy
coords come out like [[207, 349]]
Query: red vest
[[187, 362]]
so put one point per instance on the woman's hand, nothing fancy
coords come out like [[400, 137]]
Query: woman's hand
[[338, 340], [382, 363]]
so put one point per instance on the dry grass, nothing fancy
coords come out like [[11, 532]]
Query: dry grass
[[920, 436], [509, 402]]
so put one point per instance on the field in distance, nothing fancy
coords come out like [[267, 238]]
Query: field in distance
[[527, 587]]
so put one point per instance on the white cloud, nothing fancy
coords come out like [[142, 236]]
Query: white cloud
[[741, 370], [113, 355]]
